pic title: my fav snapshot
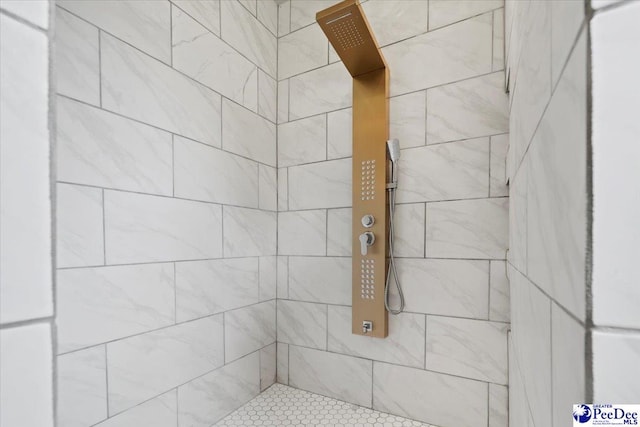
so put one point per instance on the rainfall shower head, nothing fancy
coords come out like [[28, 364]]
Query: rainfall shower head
[[394, 149], [350, 35]]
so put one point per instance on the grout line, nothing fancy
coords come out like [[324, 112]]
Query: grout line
[[489, 292], [490, 142], [27, 23], [30, 322], [99, 67], [175, 295], [104, 231], [106, 376]]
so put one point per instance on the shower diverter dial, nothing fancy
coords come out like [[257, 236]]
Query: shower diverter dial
[[368, 221]]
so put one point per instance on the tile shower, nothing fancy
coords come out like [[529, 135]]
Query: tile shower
[[202, 210]]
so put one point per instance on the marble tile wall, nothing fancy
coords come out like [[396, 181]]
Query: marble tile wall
[[546, 56], [449, 109], [27, 363], [167, 210]]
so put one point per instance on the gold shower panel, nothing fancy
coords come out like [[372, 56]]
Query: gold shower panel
[[348, 31]]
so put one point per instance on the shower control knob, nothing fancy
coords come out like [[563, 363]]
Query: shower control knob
[[368, 221], [366, 239]]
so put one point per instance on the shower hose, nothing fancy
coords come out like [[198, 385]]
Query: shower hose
[[392, 260]]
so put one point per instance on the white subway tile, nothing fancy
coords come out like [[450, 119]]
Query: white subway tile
[[284, 17], [331, 183], [102, 304], [283, 189], [214, 286], [301, 51], [467, 348], [320, 279], [249, 329], [268, 277], [499, 304], [498, 184], [207, 13], [282, 289], [249, 232], [408, 229], [303, 12], [282, 361], [25, 220], [342, 377], [499, 406], [79, 226], [302, 141], [267, 188], [201, 55], [77, 58], [35, 11], [408, 118], [205, 400], [267, 366], [498, 41], [102, 149], [212, 175], [267, 13], [467, 109], [339, 241], [339, 134], [455, 170], [267, 95], [566, 21], [26, 370], [302, 323], [468, 229], [429, 396], [461, 51], [82, 387], [404, 345], [444, 12], [140, 87], [302, 233], [180, 353], [319, 91], [247, 134], [141, 228], [244, 32], [158, 412], [397, 20]]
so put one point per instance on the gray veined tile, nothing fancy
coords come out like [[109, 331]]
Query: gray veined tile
[[102, 149], [301, 51], [518, 193], [141, 228], [267, 13], [444, 12], [180, 352], [498, 40], [397, 20], [302, 323], [82, 387], [403, 346], [342, 377], [499, 304], [283, 101], [247, 134], [330, 180], [408, 227], [302, 141], [143, 24], [456, 170], [36, 12], [498, 184], [267, 366], [200, 54], [284, 17], [267, 96], [140, 87], [106, 303], [267, 188], [499, 406], [566, 21], [77, 58], [282, 286], [302, 232], [26, 369], [205, 400], [429, 396], [468, 229], [467, 348], [244, 32], [158, 412], [283, 190], [339, 242], [444, 287], [467, 109], [282, 363], [268, 277], [212, 175], [320, 279], [25, 273], [319, 91], [407, 119], [461, 51], [339, 134], [79, 226], [207, 13], [250, 5], [249, 232], [249, 329], [208, 287], [303, 12]]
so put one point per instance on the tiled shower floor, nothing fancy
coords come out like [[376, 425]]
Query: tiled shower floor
[[281, 405]]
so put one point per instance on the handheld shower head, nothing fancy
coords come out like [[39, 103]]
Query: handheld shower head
[[394, 149]]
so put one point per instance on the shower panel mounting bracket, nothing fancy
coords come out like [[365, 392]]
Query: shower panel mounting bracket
[[350, 34]]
